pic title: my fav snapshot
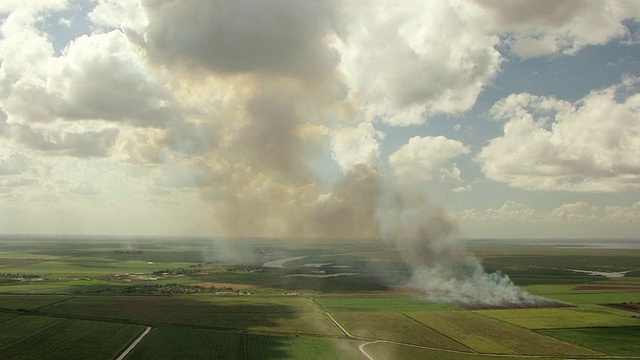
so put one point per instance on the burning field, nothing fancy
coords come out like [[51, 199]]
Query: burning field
[[539, 302], [441, 266]]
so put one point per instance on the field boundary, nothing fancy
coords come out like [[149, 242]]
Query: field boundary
[[326, 313], [25, 344], [443, 334], [134, 343], [53, 303]]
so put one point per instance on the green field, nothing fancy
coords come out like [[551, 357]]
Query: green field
[[386, 351], [22, 327], [395, 326], [548, 288], [76, 257], [6, 316], [486, 335], [621, 341], [556, 318], [277, 314], [379, 303], [187, 344], [278, 347], [84, 340], [38, 337], [181, 343], [77, 299], [597, 298], [28, 302]]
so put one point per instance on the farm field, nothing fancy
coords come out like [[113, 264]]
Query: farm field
[[620, 341], [28, 302], [276, 314], [336, 304], [556, 318], [6, 316], [278, 347], [22, 327], [597, 298], [387, 351], [486, 335], [395, 326], [37, 337], [181, 343], [329, 301]]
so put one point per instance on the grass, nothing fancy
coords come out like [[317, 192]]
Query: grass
[[80, 286], [548, 288], [274, 279], [84, 340], [30, 340], [187, 344], [394, 326], [379, 304], [543, 265], [597, 298], [54, 258], [183, 343], [625, 284], [6, 316], [28, 301], [22, 327], [550, 318], [92, 266], [276, 326], [544, 258], [41, 288], [277, 347], [278, 314], [386, 351], [621, 341], [487, 335]]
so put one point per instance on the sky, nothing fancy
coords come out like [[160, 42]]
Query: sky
[[511, 119]]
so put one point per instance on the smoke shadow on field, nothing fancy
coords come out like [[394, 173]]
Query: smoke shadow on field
[[189, 325]]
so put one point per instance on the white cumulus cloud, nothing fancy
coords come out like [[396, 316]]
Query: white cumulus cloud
[[546, 27], [426, 159], [356, 146], [407, 60], [590, 145]]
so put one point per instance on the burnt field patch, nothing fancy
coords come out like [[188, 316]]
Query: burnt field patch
[[629, 306], [539, 304]]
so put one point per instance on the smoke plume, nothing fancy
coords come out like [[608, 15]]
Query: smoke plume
[[287, 104], [440, 265]]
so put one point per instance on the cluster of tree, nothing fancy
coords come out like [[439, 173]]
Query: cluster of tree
[[9, 277], [165, 289], [179, 271], [128, 251]]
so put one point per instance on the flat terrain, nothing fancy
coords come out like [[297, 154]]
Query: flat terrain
[[91, 298], [557, 318], [622, 341], [37, 337], [486, 335], [268, 313]]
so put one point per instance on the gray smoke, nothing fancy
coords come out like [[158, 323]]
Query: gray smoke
[[281, 94], [440, 264]]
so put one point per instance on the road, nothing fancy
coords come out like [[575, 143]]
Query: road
[[368, 341], [134, 344]]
